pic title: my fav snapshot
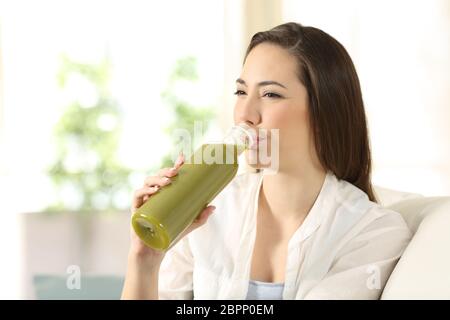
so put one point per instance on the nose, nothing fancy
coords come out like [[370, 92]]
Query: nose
[[247, 111]]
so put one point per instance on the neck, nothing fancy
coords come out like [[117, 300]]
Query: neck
[[290, 194]]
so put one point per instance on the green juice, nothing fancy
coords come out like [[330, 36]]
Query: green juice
[[167, 213]]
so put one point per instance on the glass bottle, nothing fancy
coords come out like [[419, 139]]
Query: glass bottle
[[167, 213]]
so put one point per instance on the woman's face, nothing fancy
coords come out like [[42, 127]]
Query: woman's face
[[270, 96]]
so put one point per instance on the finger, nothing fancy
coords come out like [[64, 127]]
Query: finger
[[203, 216], [154, 181], [179, 162], [138, 197], [168, 172]]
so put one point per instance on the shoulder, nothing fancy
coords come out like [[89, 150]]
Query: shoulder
[[353, 208]]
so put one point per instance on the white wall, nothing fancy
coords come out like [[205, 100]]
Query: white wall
[[401, 50]]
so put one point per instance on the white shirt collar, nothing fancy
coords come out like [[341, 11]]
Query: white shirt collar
[[315, 215]]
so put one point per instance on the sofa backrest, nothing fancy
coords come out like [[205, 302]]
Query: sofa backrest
[[423, 272]]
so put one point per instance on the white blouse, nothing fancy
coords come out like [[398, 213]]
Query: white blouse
[[346, 247]]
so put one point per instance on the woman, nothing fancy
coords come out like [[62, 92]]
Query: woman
[[313, 230]]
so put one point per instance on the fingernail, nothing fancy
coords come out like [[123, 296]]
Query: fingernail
[[178, 162], [166, 179]]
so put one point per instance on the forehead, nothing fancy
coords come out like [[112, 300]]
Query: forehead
[[268, 61]]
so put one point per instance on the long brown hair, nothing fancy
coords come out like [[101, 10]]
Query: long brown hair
[[336, 108]]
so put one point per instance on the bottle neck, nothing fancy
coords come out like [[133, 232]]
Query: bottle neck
[[240, 136]]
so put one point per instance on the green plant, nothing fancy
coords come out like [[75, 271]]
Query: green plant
[[89, 134], [87, 140], [184, 113]]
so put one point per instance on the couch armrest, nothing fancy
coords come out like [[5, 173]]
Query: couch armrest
[[423, 271]]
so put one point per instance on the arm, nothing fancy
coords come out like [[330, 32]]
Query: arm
[[145, 263], [141, 281]]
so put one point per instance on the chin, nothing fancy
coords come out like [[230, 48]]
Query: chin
[[256, 164]]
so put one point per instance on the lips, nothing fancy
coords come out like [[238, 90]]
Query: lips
[[256, 141], [256, 137]]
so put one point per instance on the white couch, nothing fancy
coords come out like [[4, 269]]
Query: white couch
[[423, 271]]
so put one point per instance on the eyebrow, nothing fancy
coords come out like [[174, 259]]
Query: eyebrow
[[262, 83]]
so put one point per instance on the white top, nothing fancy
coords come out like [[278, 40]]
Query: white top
[[259, 290], [345, 248]]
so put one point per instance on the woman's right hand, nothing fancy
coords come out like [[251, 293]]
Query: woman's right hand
[[152, 185]]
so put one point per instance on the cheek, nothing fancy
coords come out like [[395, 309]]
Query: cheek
[[294, 126], [291, 120]]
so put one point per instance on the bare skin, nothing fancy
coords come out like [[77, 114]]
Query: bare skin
[[300, 175], [270, 96], [141, 280]]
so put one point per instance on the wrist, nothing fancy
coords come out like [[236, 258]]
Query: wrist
[[141, 280], [147, 260]]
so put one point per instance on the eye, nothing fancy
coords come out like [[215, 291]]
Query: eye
[[271, 95], [239, 92]]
